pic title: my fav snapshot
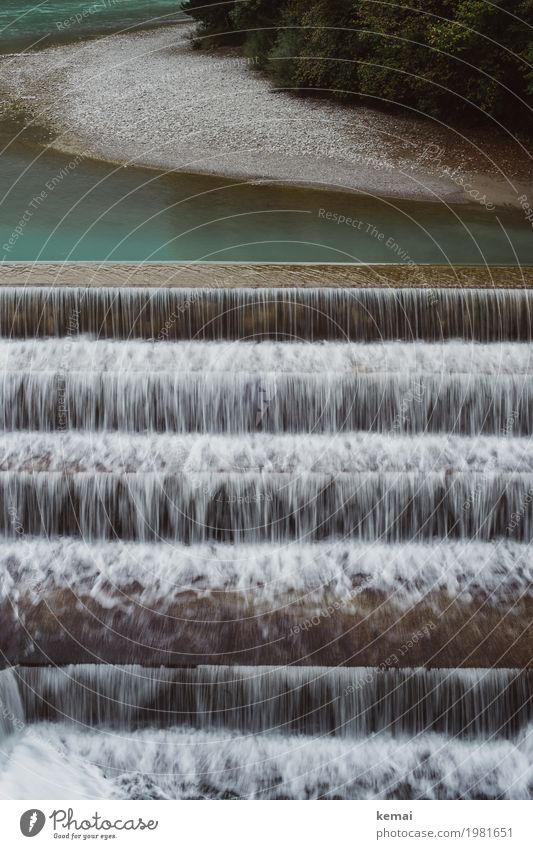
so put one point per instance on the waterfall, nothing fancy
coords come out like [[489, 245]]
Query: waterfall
[[284, 314], [268, 508], [268, 543], [263, 453], [302, 700], [12, 714], [311, 576], [81, 763], [299, 403], [264, 358]]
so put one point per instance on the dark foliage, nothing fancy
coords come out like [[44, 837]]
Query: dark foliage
[[451, 59]]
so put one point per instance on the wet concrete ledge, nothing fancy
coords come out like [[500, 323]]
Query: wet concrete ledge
[[174, 275], [439, 631]]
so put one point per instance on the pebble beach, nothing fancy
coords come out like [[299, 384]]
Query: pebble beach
[[150, 99]]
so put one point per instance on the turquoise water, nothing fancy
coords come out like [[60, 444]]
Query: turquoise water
[[54, 207], [25, 24]]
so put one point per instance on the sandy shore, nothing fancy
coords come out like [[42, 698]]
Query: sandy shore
[[151, 100], [259, 276]]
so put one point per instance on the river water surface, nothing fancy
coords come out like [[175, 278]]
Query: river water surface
[[58, 207]]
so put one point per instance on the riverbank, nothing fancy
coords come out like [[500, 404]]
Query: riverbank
[[183, 110]]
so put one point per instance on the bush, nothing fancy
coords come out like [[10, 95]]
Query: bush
[[451, 59], [315, 48], [258, 22], [215, 25]]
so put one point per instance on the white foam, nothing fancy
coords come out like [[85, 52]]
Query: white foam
[[266, 575], [83, 354], [178, 764], [267, 453], [39, 765]]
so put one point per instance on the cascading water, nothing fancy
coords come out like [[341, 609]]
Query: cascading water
[[311, 534], [312, 700], [264, 576], [305, 403], [243, 507], [12, 716], [361, 315]]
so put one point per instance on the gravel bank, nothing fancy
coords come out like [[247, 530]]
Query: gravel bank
[[149, 99]]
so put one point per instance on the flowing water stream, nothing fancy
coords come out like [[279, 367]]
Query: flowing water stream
[[256, 543], [266, 543], [100, 212], [26, 24]]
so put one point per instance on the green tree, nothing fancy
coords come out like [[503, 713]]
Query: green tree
[[214, 22], [455, 60], [315, 48]]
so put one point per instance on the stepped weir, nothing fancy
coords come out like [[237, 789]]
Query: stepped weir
[[245, 523]]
